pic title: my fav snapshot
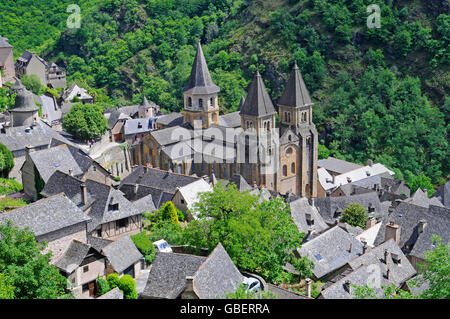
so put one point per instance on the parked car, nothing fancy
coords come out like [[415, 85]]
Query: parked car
[[251, 284], [162, 246]]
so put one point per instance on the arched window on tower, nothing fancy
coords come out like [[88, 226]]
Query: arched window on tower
[[211, 101], [284, 170], [293, 168], [289, 151], [189, 101], [200, 102]]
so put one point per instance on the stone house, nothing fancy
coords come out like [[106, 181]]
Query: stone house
[[186, 196], [113, 216], [40, 165], [123, 258], [81, 264], [7, 72], [49, 73], [74, 91], [55, 219]]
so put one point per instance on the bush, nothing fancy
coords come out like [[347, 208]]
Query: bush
[[33, 84], [102, 286], [145, 246], [128, 286], [9, 186], [355, 215], [6, 160], [113, 280], [166, 230], [168, 212]]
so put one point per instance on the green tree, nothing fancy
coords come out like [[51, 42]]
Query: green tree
[[145, 246], [128, 286], [168, 211], [27, 269], [402, 43], [323, 152], [6, 287], [102, 286], [258, 236], [304, 266], [113, 280], [6, 160], [33, 84], [85, 121], [355, 215], [423, 182]]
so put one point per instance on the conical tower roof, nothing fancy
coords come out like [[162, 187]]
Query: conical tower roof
[[200, 81], [145, 104], [258, 102], [24, 99], [295, 94]]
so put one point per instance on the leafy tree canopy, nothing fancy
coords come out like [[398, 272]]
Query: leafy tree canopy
[[85, 121], [355, 215]]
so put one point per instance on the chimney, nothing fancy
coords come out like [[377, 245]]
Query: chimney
[[392, 231], [371, 221], [145, 169], [386, 255], [333, 178], [350, 250], [369, 163], [388, 274], [70, 172], [421, 225], [29, 148], [347, 286], [83, 193], [364, 247], [136, 187], [371, 209], [308, 287]]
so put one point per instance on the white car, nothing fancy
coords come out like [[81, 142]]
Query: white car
[[162, 246], [251, 284]]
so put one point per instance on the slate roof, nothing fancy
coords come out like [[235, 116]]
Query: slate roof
[[357, 277], [399, 273], [167, 277], [50, 111], [217, 276], [241, 103], [72, 257], [172, 119], [75, 90], [145, 204], [24, 99], [122, 254], [200, 81], [136, 126], [331, 250], [49, 160], [284, 293], [420, 198], [301, 210], [18, 137], [337, 165], [257, 102], [46, 215], [99, 197], [328, 206], [407, 216], [4, 43], [98, 243], [115, 293], [191, 192], [443, 194], [240, 183], [230, 119], [172, 135], [295, 93]]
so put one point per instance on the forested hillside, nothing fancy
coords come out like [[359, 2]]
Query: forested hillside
[[379, 93]]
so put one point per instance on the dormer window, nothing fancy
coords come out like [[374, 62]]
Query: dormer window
[[200, 103], [113, 207], [189, 102]]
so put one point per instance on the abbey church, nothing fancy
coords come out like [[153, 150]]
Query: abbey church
[[281, 156]]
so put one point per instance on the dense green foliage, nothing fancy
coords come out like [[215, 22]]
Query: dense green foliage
[[85, 121], [369, 99], [355, 215], [6, 160], [7, 203], [304, 266], [6, 287], [168, 212], [113, 280], [7, 99], [102, 286], [145, 246], [128, 286], [243, 293], [258, 237], [33, 83], [24, 266], [423, 182]]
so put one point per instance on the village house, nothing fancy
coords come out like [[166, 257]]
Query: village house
[[81, 264], [186, 196], [307, 218], [123, 258], [49, 73], [56, 220], [75, 93], [113, 216], [40, 165], [7, 72]]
